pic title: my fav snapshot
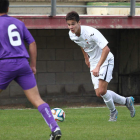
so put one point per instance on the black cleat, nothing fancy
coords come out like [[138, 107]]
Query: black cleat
[[56, 135]]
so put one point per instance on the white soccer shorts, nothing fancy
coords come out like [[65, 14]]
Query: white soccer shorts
[[105, 74]]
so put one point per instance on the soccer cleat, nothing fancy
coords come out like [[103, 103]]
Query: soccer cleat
[[113, 116], [130, 106], [56, 135]]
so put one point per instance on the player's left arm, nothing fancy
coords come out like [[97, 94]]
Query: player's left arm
[[33, 56], [105, 52], [104, 55], [102, 43]]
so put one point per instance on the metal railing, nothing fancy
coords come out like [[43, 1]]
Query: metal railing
[[54, 6]]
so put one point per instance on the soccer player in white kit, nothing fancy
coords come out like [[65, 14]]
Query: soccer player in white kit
[[100, 60]]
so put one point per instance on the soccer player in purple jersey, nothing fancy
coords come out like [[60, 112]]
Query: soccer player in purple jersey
[[14, 64]]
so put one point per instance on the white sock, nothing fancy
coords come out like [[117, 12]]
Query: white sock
[[109, 101], [117, 98]]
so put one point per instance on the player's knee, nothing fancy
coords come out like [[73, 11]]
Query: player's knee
[[102, 92], [98, 95]]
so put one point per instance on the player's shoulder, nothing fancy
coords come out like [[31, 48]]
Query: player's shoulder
[[15, 20], [18, 20], [86, 27], [88, 30]]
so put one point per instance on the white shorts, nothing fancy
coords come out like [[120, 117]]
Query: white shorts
[[105, 74]]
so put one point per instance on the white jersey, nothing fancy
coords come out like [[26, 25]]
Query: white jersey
[[92, 41]]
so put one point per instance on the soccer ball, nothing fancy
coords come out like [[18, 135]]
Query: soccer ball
[[58, 114]]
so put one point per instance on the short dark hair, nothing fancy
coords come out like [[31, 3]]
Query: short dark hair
[[72, 16], [4, 4]]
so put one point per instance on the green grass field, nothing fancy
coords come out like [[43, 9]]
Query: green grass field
[[80, 124]]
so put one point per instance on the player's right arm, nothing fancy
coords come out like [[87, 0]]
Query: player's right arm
[[32, 48], [86, 57], [33, 56]]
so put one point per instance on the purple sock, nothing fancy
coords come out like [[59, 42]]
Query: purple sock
[[44, 109]]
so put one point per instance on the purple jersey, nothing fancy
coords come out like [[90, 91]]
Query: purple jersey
[[13, 33]]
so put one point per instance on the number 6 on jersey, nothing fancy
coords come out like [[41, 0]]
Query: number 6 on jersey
[[13, 34]]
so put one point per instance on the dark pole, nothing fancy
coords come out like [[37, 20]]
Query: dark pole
[[132, 8], [53, 8]]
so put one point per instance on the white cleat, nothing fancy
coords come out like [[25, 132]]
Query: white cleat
[[113, 116], [130, 106]]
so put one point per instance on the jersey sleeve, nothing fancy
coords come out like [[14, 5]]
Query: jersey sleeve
[[99, 39], [27, 35]]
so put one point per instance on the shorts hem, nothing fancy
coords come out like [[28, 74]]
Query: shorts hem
[[29, 88]]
